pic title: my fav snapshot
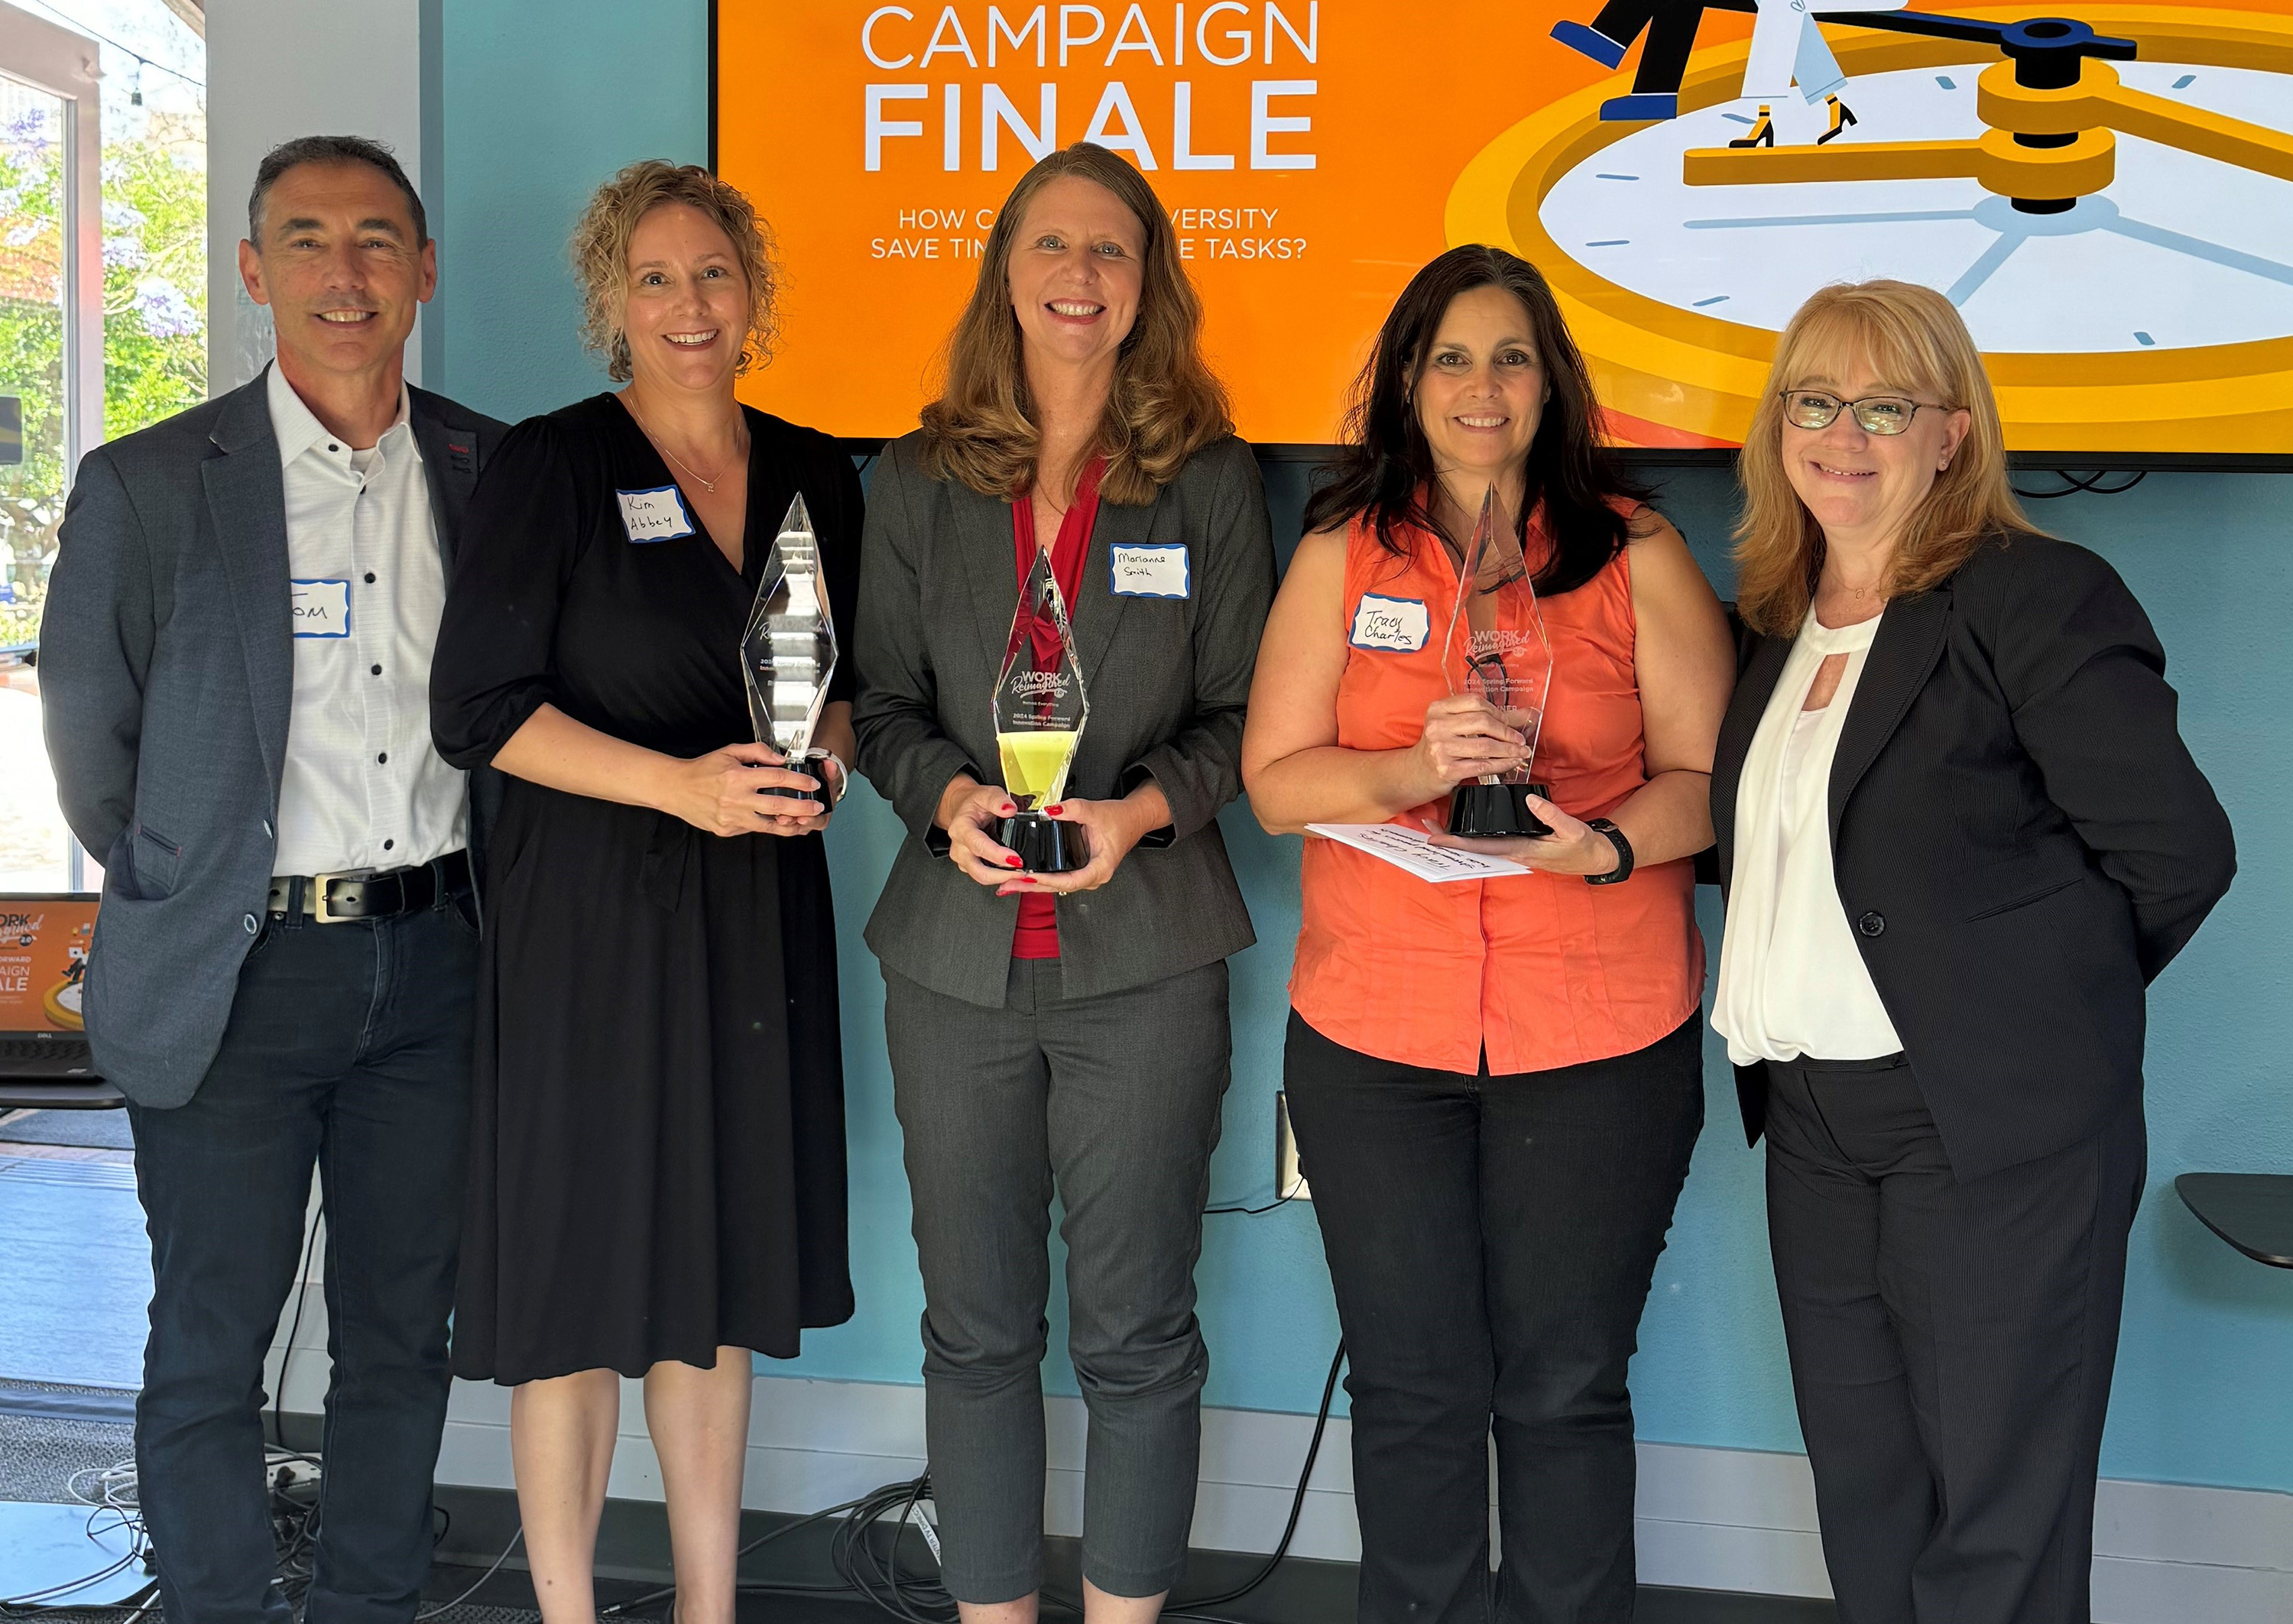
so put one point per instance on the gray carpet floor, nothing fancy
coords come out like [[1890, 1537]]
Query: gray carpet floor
[[101, 1130]]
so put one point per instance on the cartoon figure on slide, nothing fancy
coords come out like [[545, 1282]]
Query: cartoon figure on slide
[[1786, 46]]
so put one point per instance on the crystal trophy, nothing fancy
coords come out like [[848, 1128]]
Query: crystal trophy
[[1040, 711], [1497, 651], [788, 651]]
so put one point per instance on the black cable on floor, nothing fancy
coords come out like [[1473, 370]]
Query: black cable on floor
[[1179, 1609]]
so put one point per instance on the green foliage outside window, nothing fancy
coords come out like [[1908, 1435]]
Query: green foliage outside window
[[154, 321]]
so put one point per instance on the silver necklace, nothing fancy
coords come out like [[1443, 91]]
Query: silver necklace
[[661, 445]]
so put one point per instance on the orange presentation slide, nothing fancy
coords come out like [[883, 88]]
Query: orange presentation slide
[[44, 942], [2106, 191]]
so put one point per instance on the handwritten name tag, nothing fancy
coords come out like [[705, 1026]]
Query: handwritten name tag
[[654, 515], [320, 608], [1150, 572], [1398, 624]]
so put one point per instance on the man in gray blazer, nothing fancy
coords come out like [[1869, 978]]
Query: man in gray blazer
[[235, 670]]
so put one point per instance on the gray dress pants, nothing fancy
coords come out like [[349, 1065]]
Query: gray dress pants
[[1113, 1102]]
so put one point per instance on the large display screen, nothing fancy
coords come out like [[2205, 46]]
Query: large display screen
[[2105, 192]]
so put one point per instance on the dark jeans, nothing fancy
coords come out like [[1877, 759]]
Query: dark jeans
[[1951, 1346], [1113, 1101], [1492, 1240], [348, 1046]]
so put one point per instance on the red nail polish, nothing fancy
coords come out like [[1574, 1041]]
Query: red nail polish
[[1053, 811], [1009, 811], [1026, 879], [1014, 862]]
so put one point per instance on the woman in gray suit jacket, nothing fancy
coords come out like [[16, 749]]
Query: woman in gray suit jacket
[[1064, 1029]]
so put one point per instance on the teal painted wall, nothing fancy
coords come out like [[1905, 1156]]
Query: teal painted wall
[[540, 101]]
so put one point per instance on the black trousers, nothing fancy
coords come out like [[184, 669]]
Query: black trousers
[[349, 1047], [1491, 1239], [1951, 1346]]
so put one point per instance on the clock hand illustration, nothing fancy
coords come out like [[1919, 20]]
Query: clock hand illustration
[[2110, 206]]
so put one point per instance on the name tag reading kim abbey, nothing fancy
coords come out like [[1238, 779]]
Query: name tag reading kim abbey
[[657, 514], [320, 608], [1398, 624], [1160, 572]]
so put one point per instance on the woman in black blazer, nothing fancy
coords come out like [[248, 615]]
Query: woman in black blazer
[[1064, 1029], [1959, 835]]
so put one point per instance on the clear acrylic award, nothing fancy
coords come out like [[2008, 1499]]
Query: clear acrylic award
[[1040, 711], [788, 651], [1497, 651]]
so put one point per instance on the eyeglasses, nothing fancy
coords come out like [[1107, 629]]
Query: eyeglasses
[[1812, 408]]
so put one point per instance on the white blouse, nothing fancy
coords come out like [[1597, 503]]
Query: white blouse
[[1792, 979]]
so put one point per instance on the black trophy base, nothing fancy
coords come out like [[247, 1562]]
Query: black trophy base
[[1496, 811], [809, 762], [1045, 845]]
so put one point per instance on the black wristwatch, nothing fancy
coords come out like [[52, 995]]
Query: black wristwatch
[[1623, 868]]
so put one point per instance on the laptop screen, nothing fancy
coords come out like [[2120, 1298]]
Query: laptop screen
[[44, 942]]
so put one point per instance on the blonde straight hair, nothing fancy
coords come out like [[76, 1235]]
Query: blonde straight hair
[[1913, 338], [1166, 403]]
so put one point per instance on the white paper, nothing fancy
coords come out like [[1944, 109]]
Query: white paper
[[320, 608], [1411, 851], [1398, 624], [655, 515], [1149, 572]]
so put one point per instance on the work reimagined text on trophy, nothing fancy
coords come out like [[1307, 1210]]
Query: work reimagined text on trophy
[[1039, 710]]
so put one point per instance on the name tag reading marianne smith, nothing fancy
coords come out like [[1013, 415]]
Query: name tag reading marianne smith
[[1150, 572], [320, 608], [657, 514], [1398, 624]]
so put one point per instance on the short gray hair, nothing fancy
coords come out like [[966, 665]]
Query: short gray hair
[[330, 149]]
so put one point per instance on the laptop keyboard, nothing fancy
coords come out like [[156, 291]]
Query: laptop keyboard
[[67, 1051]]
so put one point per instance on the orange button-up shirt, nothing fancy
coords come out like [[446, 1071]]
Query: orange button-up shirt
[[1535, 971]]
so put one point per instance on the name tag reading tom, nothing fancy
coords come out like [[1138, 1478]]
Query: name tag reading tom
[[658, 514], [1397, 623], [320, 608], [1150, 571]]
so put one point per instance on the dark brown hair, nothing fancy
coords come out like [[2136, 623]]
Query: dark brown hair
[[1384, 464]]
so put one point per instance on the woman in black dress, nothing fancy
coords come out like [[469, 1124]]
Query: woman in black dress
[[657, 1163]]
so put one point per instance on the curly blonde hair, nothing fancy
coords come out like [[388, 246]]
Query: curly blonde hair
[[600, 251], [1915, 339], [1166, 403]]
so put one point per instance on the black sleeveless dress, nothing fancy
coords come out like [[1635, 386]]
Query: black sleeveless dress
[[657, 1147]]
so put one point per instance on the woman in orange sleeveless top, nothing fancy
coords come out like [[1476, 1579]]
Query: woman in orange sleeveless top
[[1495, 1084]]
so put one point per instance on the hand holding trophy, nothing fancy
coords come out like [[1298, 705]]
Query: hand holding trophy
[[1039, 709], [788, 651], [1497, 651]]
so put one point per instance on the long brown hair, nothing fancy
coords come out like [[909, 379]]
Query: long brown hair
[[1913, 337], [1165, 404], [1385, 461]]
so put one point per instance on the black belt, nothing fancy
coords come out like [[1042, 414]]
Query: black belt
[[332, 899]]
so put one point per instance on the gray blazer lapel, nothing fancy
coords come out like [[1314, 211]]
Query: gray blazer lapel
[[1904, 652], [450, 467], [983, 536], [1097, 611], [247, 505]]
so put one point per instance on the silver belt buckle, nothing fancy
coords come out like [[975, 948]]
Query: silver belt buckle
[[318, 910]]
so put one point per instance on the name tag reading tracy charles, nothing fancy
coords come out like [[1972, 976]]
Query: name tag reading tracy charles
[[1149, 571], [655, 515], [320, 608], [1398, 624]]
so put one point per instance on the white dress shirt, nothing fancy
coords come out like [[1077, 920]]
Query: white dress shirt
[[1792, 981], [364, 789]]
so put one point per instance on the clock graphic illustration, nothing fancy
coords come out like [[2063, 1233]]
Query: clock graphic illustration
[[2107, 198]]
